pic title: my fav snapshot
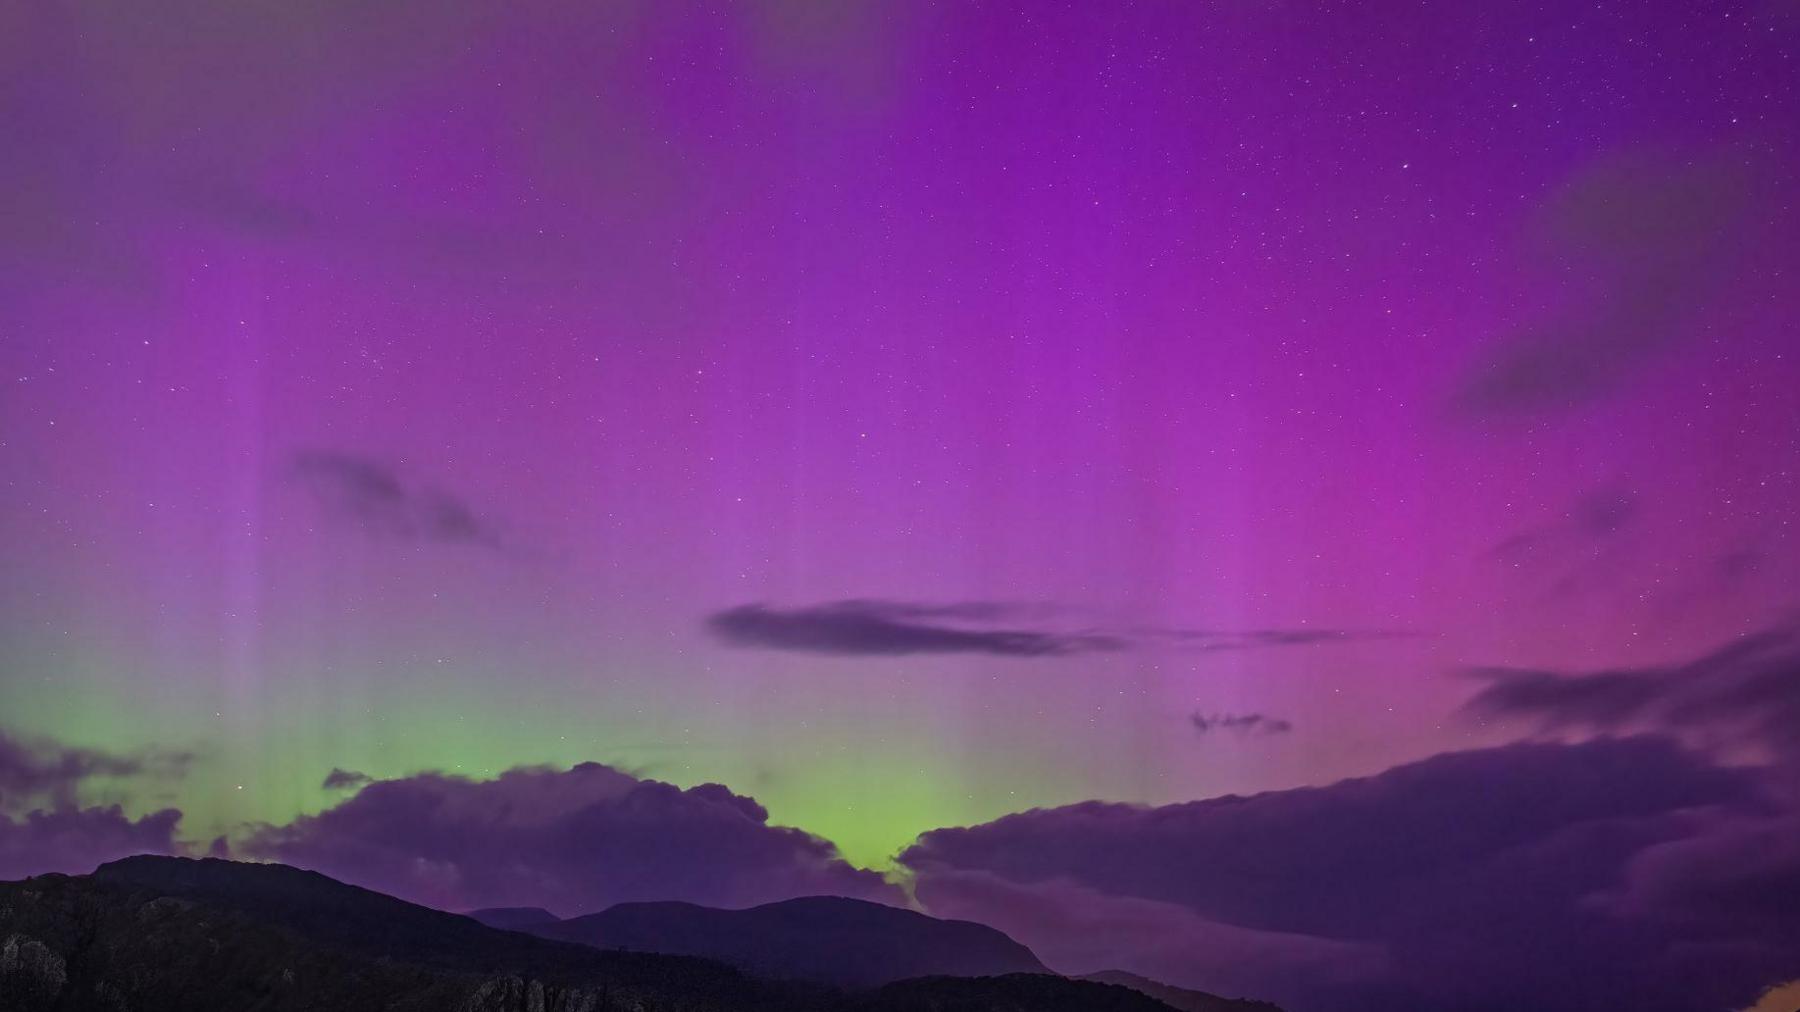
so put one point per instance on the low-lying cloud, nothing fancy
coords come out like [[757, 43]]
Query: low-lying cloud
[[43, 826], [1513, 877], [572, 841], [75, 841]]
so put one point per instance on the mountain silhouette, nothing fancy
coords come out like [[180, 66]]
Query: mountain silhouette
[[825, 939], [158, 934], [513, 918]]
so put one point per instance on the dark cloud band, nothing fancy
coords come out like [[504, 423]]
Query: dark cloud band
[[863, 627], [873, 628]]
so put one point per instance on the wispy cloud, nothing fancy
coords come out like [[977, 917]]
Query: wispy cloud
[[1596, 516], [1264, 639], [385, 502], [342, 779], [37, 772], [882, 628], [886, 628], [1748, 690], [43, 824], [1239, 723], [1647, 239]]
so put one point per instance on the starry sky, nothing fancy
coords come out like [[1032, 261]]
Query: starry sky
[[906, 413]]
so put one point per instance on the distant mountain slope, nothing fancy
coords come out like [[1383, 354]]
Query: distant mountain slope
[[175, 935], [1179, 997], [513, 918], [828, 939]]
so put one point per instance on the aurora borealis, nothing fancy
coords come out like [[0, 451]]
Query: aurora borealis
[[907, 415]]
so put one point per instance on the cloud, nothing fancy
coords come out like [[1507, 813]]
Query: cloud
[[1596, 516], [1481, 880], [884, 628], [380, 499], [37, 771], [1738, 564], [1780, 998], [890, 628], [1591, 546], [40, 772], [43, 828], [1078, 929], [1745, 691], [1739, 879], [340, 779], [75, 841], [1647, 243], [1262, 639], [1737, 884], [572, 841], [1241, 723]]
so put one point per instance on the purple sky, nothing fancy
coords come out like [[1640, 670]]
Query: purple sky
[[906, 414]]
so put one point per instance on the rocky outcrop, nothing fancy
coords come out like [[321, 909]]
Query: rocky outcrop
[[29, 969], [515, 994]]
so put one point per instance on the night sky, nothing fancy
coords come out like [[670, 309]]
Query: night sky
[[910, 414]]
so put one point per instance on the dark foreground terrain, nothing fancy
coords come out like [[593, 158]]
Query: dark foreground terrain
[[173, 935], [1181, 998]]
